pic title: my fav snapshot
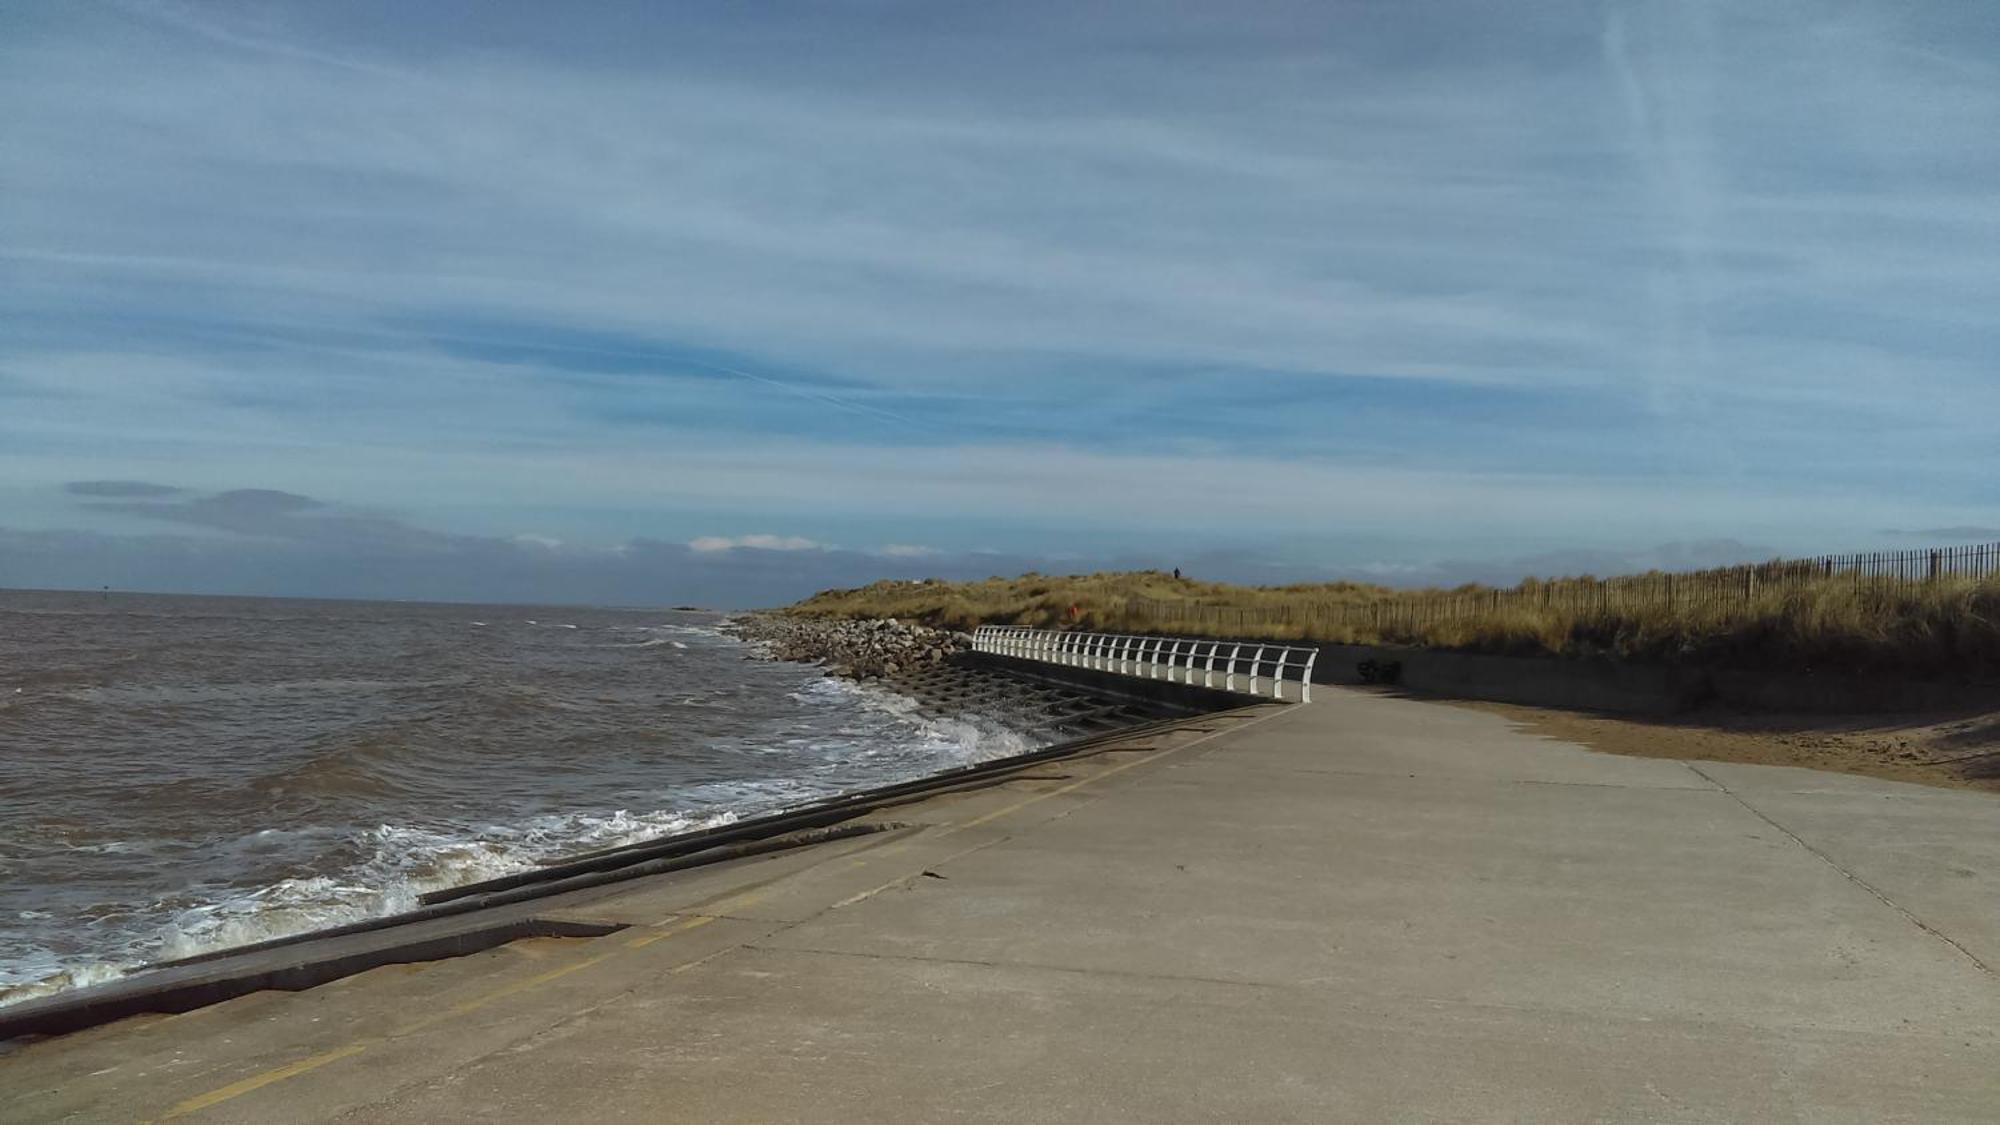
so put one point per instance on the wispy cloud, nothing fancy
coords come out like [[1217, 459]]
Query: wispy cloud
[[1069, 280], [710, 543], [124, 489], [270, 513]]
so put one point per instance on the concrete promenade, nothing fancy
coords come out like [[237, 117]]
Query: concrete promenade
[[1368, 909]]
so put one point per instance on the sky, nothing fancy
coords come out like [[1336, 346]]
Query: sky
[[655, 302]]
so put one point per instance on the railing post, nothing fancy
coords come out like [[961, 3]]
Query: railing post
[[1257, 662], [1208, 673], [1229, 677]]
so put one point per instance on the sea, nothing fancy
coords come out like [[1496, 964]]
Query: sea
[[184, 774]]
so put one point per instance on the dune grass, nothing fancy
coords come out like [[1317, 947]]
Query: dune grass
[[1115, 600], [1948, 626]]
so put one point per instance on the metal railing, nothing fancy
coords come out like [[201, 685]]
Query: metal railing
[[1248, 667]]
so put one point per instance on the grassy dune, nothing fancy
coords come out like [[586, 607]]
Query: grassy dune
[[1949, 626], [1121, 600]]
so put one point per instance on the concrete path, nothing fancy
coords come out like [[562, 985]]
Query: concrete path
[[1369, 909]]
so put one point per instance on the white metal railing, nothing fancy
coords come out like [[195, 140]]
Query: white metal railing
[[1259, 668]]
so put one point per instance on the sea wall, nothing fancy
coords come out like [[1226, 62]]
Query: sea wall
[[1629, 688]]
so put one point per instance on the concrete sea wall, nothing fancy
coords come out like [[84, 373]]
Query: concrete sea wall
[[1625, 688]]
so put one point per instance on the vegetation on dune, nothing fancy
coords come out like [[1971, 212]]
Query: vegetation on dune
[[1120, 600], [1943, 626]]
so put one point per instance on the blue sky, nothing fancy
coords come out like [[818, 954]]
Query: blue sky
[[1414, 290]]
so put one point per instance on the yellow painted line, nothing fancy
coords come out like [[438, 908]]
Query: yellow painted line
[[899, 880], [684, 966], [518, 986], [259, 1081], [666, 932]]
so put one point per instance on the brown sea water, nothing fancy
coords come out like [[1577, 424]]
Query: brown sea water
[[183, 773]]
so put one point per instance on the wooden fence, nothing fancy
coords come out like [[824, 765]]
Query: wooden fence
[[1700, 590]]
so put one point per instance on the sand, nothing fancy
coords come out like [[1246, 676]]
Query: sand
[[1959, 750]]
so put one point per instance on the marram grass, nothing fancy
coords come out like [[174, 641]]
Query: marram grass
[[1946, 626]]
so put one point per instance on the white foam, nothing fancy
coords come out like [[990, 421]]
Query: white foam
[[404, 864], [660, 635], [25, 983], [831, 691], [944, 742]]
